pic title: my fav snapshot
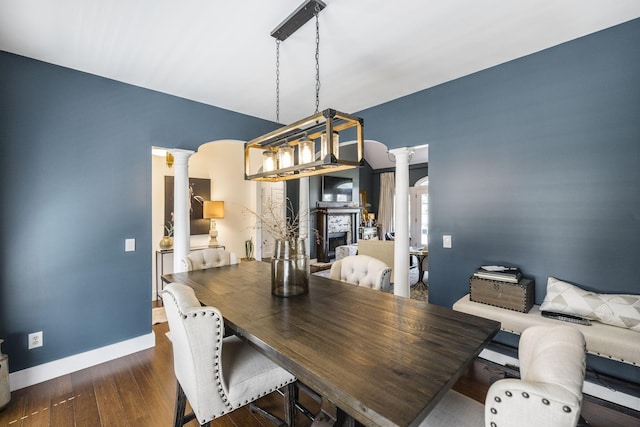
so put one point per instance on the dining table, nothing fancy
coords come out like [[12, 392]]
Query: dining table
[[383, 360]]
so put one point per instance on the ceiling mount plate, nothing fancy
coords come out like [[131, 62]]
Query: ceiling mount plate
[[297, 19]]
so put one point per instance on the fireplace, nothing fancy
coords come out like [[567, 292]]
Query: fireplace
[[335, 240], [337, 225]]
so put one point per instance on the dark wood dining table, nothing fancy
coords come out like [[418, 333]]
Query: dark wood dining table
[[382, 359]]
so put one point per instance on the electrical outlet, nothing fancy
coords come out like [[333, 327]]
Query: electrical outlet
[[446, 241], [35, 340]]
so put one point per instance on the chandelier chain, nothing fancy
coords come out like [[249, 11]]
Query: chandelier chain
[[317, 58], [277, 81]]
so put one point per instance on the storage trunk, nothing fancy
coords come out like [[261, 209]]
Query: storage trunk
[[513, 296]]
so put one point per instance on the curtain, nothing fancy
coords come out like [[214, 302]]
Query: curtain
[[385, 207]]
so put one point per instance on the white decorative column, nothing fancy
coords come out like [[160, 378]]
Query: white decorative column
[[303, 211], [401, 228], [181, 227]]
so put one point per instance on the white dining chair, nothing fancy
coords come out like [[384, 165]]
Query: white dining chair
[[549, 392], [217, 375], [362, 270], [208, 258]]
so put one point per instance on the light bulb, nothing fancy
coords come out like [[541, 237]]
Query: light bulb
[[285, 158], [324, 145], [306, 151]]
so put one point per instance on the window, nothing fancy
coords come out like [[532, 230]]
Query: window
[[419, 212]]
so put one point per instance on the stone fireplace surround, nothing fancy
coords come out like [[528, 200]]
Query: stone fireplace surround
[[337, 224]]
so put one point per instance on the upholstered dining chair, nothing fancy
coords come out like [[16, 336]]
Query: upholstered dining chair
[[217, 375], [362, 270], [208, 258], [548, 392]]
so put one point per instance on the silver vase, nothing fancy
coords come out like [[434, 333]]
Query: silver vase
[[290, 268]]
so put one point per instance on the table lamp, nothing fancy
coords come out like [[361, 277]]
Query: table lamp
[[213, 210]]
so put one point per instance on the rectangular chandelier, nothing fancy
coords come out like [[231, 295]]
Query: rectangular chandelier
[[307, 147]]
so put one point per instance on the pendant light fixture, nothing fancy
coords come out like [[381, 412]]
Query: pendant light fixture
[[290, 151]]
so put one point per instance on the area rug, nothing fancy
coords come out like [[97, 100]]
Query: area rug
[[158, 315], [421, 294]]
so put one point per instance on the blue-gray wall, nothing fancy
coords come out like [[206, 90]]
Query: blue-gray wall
[[534, 163], [75, 182]]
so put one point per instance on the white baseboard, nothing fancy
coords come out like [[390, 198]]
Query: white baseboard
[[77, 362], [590, 388]]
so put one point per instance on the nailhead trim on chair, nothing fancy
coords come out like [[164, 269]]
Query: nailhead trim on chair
[[545, 401]]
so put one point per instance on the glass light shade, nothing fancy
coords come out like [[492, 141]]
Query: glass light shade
[[269, 161], [285, 157], [324, 145], [306, 151]]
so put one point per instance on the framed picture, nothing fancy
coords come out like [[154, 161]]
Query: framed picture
[[199, 192]]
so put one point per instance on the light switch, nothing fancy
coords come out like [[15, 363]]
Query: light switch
[[130, 245], [446, 241]]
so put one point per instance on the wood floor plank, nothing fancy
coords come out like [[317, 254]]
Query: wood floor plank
[[14, 411], [38, 405], [159, 397], [62, 397], [109, 404], [85, 404], [133, 402]]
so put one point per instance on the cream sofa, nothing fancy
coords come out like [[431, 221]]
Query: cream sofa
[[383, 250]]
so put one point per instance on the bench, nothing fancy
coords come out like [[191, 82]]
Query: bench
[[602, 340], [612, 342]]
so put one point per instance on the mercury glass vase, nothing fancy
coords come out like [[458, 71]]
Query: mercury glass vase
[[290, 268]]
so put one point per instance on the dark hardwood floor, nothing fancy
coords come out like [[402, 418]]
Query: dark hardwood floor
[[139, 390]]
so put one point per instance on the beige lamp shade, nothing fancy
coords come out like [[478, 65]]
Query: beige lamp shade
[[213, 210]]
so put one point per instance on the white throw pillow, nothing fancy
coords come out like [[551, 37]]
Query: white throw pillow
[[613, 309]]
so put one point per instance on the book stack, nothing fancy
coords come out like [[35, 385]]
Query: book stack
[[499, 273]]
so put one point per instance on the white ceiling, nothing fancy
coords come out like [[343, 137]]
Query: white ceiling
[[221, 52]]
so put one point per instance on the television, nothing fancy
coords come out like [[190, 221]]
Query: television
[[336, 189]]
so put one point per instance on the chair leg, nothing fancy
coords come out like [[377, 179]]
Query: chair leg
[[179, 417], [290, 399], [181, 405]]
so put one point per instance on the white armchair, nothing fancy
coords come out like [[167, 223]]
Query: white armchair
[[549, 392], [208, 258], [216, 375], [362, 270]]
